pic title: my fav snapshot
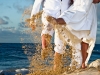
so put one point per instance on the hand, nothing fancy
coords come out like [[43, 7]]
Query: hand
[[55, 21], [60, 21], [96, 1]]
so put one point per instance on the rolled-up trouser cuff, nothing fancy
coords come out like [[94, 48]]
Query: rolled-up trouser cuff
[[60, 49], [47, 27], [47, 32]]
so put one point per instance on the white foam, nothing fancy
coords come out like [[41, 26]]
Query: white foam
[[22, 71]]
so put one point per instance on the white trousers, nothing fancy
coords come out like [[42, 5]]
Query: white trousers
[[60, 45], [47, 28]]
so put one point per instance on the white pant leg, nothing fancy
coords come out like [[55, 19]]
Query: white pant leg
[[47, 28], [59, 45], [76, 56], [76, 59]]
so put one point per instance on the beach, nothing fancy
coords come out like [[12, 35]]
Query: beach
[[92, 69]]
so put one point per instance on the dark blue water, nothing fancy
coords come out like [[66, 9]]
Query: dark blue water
[[96, 53], [15, 55]]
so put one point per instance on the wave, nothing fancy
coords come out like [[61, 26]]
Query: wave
[[96, 52], [17, 57], [22, 71]]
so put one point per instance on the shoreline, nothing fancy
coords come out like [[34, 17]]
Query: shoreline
[[92, 69], [22, 71]]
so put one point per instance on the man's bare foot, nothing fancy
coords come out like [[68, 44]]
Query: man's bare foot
[[57, 62], [45, 52]]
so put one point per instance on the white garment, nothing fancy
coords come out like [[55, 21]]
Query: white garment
[[55, 8], [81, 20], [75, 18], [52, 8]]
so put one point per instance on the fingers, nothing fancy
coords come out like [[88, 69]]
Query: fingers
[[61, 21], [96, 1]]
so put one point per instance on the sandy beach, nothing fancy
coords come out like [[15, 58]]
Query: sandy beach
[[92, 69]]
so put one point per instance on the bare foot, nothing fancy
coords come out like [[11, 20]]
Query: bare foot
[[45, 53], [57, 62], [83, 66]]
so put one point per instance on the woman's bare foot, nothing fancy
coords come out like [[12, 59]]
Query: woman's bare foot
[[83, 66], [84, 47]]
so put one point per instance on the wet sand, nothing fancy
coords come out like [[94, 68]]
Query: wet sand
[[90, 71]]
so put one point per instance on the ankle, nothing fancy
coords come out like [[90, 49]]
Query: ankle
[[83, 66], [57, 61]]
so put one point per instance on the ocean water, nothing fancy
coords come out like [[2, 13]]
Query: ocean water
[[15, 55]]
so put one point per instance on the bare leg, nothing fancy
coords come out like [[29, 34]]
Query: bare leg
[[57, 62], [45, 43], [84, 47]]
